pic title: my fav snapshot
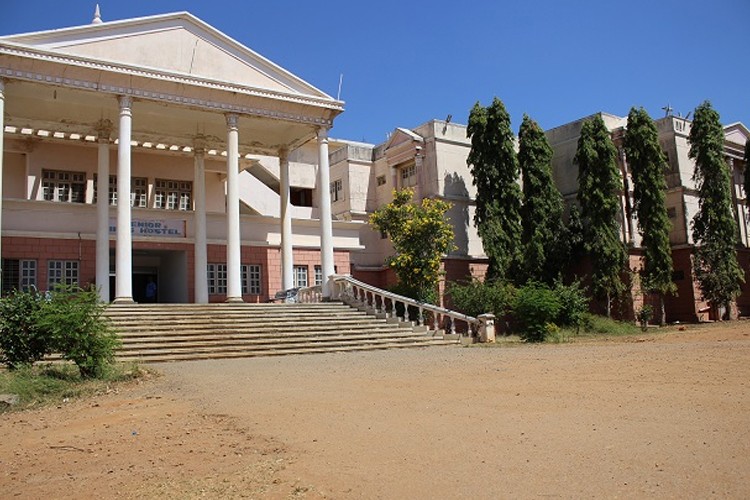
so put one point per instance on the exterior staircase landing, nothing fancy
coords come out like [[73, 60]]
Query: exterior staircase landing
[[174, 332]]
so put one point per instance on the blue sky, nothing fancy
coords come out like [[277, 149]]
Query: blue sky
[[406, 62]]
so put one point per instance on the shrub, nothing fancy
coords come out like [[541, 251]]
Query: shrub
[[644, 315], [475, 297], [573, 304], [73, 317], [535, 307], [22, 341]]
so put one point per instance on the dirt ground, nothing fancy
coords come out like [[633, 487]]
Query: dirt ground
[[658, 415]]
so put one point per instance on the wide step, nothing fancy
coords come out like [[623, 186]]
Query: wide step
[[174, 332]]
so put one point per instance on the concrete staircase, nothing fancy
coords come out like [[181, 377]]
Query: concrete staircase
[[172, 332]]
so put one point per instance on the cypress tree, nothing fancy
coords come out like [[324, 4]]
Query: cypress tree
[[714, 230], [647, 166], [599, 186], [494, 166], [747, 172], [541, 213]]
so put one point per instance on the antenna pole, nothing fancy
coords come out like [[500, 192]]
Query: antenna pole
[[341, 81]]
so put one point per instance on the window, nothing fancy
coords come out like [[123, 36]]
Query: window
[[217, 279], [18, 274], [61, 272], [173, 195], [336, 190], [251, 279], [64, 186], [318, 275], [300, 276], [138, 191], [408, 175], [381, 180]]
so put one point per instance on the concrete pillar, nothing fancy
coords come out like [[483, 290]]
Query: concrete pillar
[[287, 256], [104, 130], [199, 218], [234, 285], [124, 244], [2, 153], [326, 224], [487, 328]]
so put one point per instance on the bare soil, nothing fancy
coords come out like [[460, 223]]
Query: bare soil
[[658, 415]]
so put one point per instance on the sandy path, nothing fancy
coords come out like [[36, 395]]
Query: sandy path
[[659, 416]]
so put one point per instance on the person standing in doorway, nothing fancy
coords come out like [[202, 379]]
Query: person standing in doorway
[[151, 290]]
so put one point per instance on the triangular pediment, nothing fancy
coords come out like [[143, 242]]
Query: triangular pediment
[[737, 133], [401, 136], [176, 43]]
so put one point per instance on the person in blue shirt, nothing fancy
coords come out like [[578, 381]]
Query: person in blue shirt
[[151, 290]]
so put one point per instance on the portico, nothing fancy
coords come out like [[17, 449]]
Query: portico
[[179, 108]]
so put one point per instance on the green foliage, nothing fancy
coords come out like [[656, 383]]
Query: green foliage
[[22, 341], [475, 297], [68, 320], [747, 171], [536, 306], [573, 304], [599, 196], [421, 236], [74, 318], [714, 229], [647, 166], [541, 213], [601, 325], [494, 167], [644, 315]]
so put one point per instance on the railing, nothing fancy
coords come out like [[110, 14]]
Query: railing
[[310, 294], [391, 305]]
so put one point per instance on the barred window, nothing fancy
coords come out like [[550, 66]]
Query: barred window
[[64, 186], [62, 272], [18, 274], [217, 279], [318, 275], [251, 279], [300, 276], [173, 195]]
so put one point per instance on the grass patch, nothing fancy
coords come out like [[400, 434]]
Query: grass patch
[[47, 384]]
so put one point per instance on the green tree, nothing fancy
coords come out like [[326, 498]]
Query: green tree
[[647, 166], [541, 212], [747, 172], [599, 186], [421, 236], [494, 166], [714, 230]]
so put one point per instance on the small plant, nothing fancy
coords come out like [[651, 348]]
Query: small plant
[[536, 306], [22, 341], [476, 297], [573, 304], [644, 315], [74, 318]]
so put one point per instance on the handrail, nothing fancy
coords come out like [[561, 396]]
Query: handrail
[[383, 302]]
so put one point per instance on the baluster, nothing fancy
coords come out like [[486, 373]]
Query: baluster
[[420, 317], [452, 326], [378, 308], [394, 312]]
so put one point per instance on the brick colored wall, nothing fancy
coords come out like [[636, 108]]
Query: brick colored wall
[[45, 249]]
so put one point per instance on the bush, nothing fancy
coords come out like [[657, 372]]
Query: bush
[[22, 341], [535, 307], [573, 304], [644, 315], [74, 318], [68, 320], [475, 298]]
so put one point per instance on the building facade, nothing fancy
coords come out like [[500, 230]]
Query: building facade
[[127, 154]]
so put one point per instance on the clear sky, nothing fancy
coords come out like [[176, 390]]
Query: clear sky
[[408, 61]]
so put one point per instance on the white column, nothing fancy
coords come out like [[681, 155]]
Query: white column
[[124, 244], [234, 288], [201, 255], [2, 153], [104, 129], [324, 202], [287, 256]]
